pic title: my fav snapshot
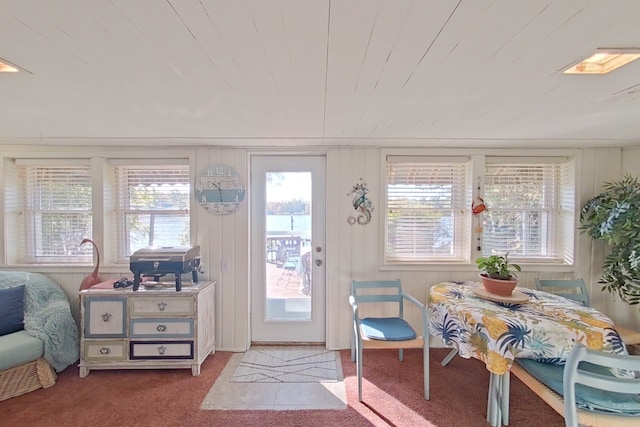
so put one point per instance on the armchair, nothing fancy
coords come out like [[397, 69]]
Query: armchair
[[386, 332]]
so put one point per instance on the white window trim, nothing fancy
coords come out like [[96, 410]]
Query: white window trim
[[478, 157], [101, 213]]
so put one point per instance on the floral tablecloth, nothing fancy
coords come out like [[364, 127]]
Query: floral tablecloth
[[545, 328]]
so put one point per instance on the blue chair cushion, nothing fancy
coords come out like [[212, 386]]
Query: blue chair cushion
[[587, 398], [387, 329]]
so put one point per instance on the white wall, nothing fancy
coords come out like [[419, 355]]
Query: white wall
[[352, 251]]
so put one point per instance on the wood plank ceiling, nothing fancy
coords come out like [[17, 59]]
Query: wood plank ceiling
[[317, 72]]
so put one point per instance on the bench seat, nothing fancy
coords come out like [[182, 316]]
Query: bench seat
[[546, 381], [19, 348]]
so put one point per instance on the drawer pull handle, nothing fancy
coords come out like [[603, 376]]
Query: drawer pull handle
[[161, 328], [106, 317], [162, 349], [162, 305], [105, 350]]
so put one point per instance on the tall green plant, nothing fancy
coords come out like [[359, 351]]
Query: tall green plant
[[614, 217]]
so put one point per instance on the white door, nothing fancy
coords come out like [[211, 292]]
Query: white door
[[287, 250]]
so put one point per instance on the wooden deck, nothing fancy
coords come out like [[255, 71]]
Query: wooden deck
[[282, 282]]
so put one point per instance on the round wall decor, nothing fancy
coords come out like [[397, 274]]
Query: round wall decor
[[220, 189]]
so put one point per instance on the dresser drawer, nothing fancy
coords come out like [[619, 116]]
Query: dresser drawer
[[105, 350], [161, 350], [154, 306], [105, 317], [155, 328]]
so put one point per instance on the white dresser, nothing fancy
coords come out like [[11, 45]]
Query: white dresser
[[148, 328]]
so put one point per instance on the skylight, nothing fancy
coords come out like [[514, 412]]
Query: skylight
[[604, 61], [6, 67]]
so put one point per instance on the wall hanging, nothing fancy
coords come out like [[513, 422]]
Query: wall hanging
[[220, 189], [361, 203]]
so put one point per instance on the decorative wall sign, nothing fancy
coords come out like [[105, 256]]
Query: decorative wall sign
[[361, 202], [220, 189]]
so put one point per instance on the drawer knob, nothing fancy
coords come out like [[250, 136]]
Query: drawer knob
[[162, 349], [105, 350], [162, 305], [161, 328], [106, 317]]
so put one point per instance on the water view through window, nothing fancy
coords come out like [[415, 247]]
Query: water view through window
[[287, 243]]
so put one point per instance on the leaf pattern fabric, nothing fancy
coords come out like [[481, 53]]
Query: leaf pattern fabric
[[544, 329]]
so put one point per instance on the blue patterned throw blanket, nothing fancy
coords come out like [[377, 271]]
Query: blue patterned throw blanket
[[47, 316]]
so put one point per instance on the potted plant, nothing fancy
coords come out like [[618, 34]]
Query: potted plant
[[612, 217], [498, 274]]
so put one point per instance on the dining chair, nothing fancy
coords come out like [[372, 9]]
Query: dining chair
[[575, 374], [385, 332], [576, 290]]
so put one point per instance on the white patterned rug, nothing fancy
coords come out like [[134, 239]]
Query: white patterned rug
[[287, 365], [279, 378]]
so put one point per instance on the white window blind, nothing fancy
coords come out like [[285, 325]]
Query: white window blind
[[531, 209], [427, 210], [56, 213], [152, 206]]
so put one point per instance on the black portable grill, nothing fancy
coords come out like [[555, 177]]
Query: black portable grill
[[158, 261]]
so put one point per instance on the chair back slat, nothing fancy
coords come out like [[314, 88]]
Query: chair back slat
[[377, 298], [562, 286], [386, 291], [573, 374]]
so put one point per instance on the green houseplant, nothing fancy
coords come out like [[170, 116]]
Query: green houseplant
[[498, 274], [613, 217]]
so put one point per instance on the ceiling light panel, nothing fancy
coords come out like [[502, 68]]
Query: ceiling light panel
[[604, 61]]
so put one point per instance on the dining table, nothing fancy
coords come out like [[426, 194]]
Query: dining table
[[527, 324]]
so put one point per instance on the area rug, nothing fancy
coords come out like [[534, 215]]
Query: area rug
[[287, 365], [279, 378]]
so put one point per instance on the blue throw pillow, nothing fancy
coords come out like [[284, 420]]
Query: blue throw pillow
[[11, 310]]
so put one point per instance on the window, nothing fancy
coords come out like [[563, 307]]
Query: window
[[48, 211], [531, 209], [427, 210], [152, 206]]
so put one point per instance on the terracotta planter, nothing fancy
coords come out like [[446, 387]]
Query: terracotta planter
[[499, 286]]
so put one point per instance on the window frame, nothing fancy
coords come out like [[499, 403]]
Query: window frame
[[22, 212], [460, 197], [102, 184], [561, 203], [121, 245], [478, 159]]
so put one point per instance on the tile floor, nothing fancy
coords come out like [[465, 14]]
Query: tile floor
[[227, 395]]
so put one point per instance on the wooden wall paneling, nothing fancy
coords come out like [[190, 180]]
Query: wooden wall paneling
[[232, 242], [349, 240], [206, 238], [352, 251], [337, 251], [240, 258]]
